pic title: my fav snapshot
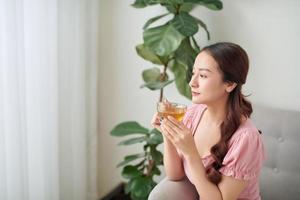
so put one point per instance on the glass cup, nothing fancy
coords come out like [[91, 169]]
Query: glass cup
[[175, 110]]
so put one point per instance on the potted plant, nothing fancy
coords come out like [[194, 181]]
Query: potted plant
[[170, 46]]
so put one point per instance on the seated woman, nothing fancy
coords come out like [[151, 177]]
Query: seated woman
[[216, 152]]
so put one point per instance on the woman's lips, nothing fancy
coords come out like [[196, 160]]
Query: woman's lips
[[195, 93]]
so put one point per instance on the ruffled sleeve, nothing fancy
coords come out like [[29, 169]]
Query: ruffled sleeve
[[245, 156]]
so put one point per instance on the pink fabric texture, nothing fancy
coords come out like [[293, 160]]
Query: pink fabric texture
[[244, 158]]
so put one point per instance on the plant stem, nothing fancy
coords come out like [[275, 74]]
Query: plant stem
[[162, 78], [150, 167]]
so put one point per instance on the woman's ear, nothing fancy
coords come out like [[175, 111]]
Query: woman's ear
[[230, 86]]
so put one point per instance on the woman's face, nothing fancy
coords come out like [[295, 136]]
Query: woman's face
[[207, 82]]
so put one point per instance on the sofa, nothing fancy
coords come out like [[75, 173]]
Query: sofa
[[280, 176]]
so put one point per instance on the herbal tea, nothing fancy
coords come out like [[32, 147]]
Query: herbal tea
[[171, 109]]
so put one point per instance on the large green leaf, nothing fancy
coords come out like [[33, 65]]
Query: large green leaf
[[156, 171], [133, 141], [151, 75], [210, 4], [195, 45], [157, 85], [180, 72], [141, 187], [130, 158], [172, 1], [131, 171], [147, 54], [185, 24], [172, 5], [186, 54], [155, 137], [162, 40], [128, 128], [186, 7], [153, 2], [128, 186], [156, 155], [203, 25], [139, 4], [144, 3], [150, 21]]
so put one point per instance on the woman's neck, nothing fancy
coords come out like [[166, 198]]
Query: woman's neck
[[216, 112]]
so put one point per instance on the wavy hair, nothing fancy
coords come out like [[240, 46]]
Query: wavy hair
[[233, 64]]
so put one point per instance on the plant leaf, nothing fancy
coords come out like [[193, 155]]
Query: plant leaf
[[156, 155], [180, 73], [150, 21], [185, 24], [151, 75], [144, 3], [172, 2], [130, 158], [128, 128], [210, 4], [130, 171], [171, 5], [153, 2], [139, 4], [203, 25], [157, 85], [195, 45], [146, 54], [186, 54], [186, 7], [128, 186], [133, 141], [156, 171], [141, 187], [155, 137], [162, 40]]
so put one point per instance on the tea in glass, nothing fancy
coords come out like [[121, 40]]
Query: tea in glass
[[175, 110]]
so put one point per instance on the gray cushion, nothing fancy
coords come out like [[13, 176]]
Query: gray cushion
[[280, 177]]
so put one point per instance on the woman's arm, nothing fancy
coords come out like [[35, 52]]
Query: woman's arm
[[182, 139], [228, 189], [172, 161]]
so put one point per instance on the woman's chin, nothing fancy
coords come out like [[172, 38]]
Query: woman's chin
[[197, 100]]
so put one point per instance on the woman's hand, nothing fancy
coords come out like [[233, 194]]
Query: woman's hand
[[179, 135], [155, 122]]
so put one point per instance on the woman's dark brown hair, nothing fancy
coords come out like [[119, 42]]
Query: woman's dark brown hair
[[233, 64]]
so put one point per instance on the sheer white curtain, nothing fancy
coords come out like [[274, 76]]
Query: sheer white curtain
[[48, 99]]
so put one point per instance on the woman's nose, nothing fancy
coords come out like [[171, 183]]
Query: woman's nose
[[193, 82]]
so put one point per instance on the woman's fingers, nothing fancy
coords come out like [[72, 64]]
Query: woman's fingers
[[173, 127], [155, 120], [157, 127], [166, 133], [175, 123]]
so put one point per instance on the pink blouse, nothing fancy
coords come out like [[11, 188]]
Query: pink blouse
[[244, 158]]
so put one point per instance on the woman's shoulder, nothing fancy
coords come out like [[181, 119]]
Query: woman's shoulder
[[246, 153], [246, 131]]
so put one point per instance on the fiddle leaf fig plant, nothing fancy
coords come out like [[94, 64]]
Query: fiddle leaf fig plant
[[171, 48]]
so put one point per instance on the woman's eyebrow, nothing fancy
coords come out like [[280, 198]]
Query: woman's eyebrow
[[203, 69]]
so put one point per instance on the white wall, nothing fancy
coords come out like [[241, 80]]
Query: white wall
[[267, 29]]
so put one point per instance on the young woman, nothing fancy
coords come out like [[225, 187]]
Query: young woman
[[216, 152]]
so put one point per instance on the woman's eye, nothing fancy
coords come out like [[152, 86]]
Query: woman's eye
[[203, 76]]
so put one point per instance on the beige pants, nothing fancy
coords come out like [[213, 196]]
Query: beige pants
[[174, 190]]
